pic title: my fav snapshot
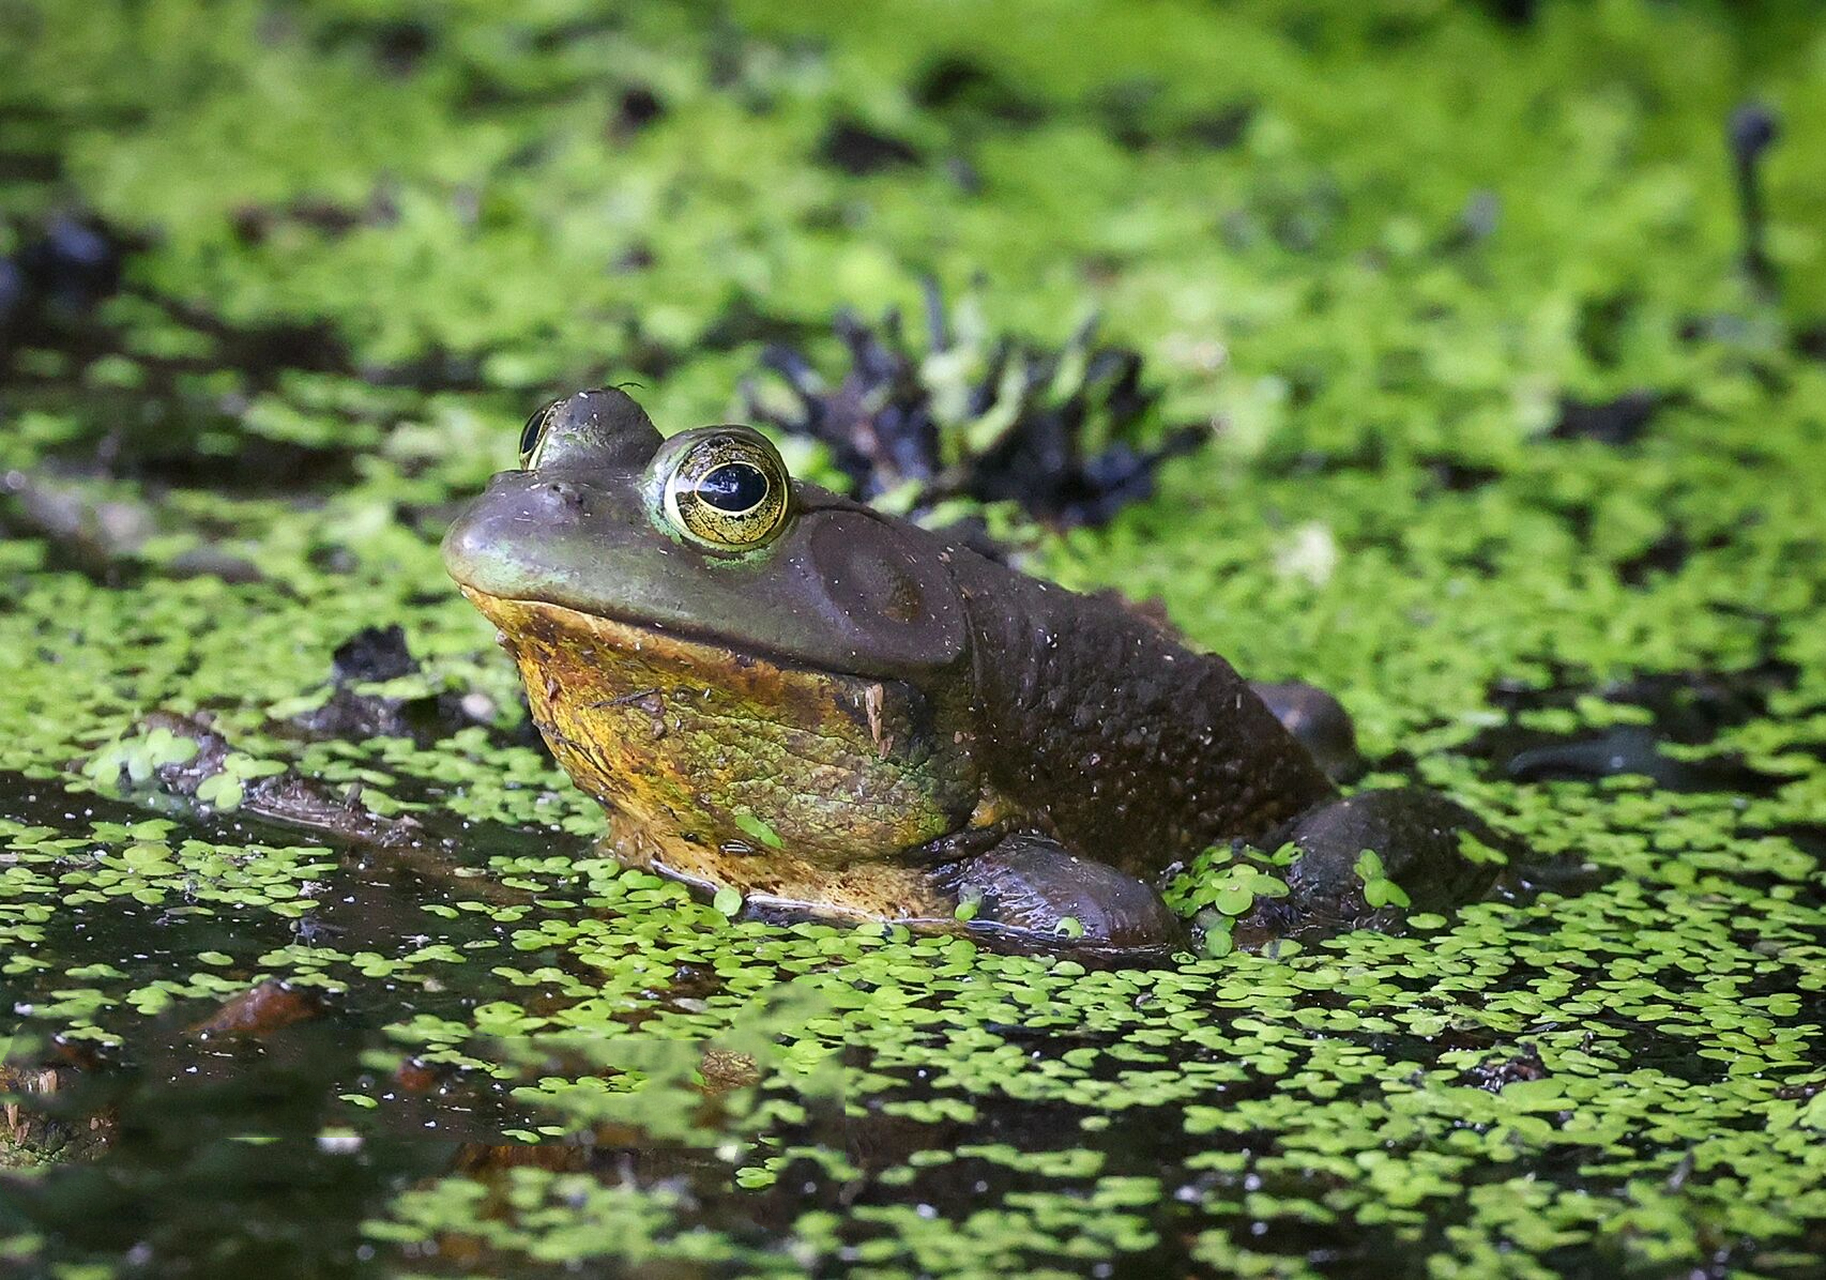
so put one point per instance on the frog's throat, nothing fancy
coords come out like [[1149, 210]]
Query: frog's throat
[[886, 894], [713, 746]]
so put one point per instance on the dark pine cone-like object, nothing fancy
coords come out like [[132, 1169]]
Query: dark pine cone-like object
[[1069, 434]]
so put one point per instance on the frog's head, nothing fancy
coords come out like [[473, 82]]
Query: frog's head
[[704, 536], [713, 650]]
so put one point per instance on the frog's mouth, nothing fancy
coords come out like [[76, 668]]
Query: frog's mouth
[[558, 625]]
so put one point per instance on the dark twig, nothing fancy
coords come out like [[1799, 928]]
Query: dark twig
[[1753, 128]]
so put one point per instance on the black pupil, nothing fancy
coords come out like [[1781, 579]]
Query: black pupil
[[530, 433], [734, 487]]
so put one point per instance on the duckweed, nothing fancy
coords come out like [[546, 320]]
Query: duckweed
[[1506, 445]]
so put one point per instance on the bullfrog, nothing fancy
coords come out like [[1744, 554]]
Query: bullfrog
[[834, 712]]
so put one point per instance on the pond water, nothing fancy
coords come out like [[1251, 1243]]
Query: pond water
[[1520, 435]]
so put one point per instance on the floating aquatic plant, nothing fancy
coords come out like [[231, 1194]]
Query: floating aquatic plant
[[1499, 363]]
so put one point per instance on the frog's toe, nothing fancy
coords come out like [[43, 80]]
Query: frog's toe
[[1417, 835], [1319, 721], [1030, 886]]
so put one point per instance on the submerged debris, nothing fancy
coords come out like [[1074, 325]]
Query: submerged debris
[[1633, 749], [859, 150], [263, 1009], [1547, 737], [1502, 1067], [1068, 434], [106, 533], [73, 262], [1615, 422], [205, 767], [354, 709]]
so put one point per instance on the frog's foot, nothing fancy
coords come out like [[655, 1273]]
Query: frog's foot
[[1318, 721], [1415, 833], [1029, 888]]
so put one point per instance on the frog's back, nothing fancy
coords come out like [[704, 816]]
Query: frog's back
[[1132, 748]]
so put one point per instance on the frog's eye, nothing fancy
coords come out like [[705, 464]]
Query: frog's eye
[[729, 491], [532, 435]]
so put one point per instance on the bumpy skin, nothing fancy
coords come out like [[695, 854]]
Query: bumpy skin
[[1127, 746], [864, 720]]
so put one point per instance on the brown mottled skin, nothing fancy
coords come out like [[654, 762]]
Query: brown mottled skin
[[858, 718], [1124, 744]]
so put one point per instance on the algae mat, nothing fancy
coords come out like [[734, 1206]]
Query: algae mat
[[1521, 436]]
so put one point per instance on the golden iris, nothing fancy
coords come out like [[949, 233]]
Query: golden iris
[[729, 491], [532, 435]]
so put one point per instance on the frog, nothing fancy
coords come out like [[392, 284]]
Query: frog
[[830, 712]]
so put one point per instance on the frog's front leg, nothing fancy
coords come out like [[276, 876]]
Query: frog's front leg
[[1030, 887]]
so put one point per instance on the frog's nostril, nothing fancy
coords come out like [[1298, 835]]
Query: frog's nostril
[[561, 493]]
